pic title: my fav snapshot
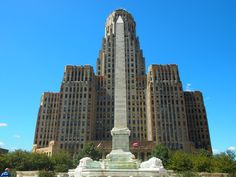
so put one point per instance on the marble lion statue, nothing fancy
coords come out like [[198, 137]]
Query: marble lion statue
[[87, 162], [152, 163]]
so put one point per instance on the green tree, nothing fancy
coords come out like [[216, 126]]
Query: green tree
[[40, 162], [18, 160], [3, 163], [202, 163], [162, 153], [204, 153], [23, 160], [62, 161], [89, 150], [181, 161], [225, 163]]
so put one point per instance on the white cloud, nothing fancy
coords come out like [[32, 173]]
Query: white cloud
[[13, 148], [16, 136], [216, 151], [1, 144], [3, 124], [232, 148], [188, 87]]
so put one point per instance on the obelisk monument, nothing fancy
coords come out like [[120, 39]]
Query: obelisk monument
[[120, 156], [120, 161]]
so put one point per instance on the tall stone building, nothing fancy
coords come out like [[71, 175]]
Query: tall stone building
[[77, 113], [48, 119], [135, 80], [197, 120], [166, 116], [68, 118], [83, 110]]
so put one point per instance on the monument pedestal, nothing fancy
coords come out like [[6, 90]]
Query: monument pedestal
[[120, 139], [119, 159]]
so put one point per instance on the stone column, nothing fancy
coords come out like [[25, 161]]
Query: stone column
[[120, 132], [120, 78], [120, 156]]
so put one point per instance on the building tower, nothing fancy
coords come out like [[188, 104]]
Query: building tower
[[48, 120], [68, 118], [197, 120], [166, 116], [135, 78], [78, 99]]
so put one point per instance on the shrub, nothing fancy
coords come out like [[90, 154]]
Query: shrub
[[45, 173]]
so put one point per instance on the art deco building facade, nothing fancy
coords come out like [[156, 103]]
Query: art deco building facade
[[83, 110], [77, 108], [68, 117], [166, 116], [48, 119], [197, 120], [135, 80]]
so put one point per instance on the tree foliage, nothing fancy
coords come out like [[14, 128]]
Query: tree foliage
[[62, 161], [225, 162], [90, 150], [25, 161], [162, 153], [203, 162], [200, 161], [3, 161], [181, 161]]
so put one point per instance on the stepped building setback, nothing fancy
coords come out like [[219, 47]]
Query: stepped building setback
[[158, 110]]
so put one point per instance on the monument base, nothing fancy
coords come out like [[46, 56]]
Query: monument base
[[119, 159], [120, 139], [121, 173], [117, 167]]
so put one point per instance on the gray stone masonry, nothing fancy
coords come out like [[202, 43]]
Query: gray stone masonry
[[120, 132]]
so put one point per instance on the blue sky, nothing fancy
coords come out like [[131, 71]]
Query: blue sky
[[39, 37]]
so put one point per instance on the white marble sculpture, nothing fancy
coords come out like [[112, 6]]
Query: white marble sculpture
[[87, 162], [152, 163]]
